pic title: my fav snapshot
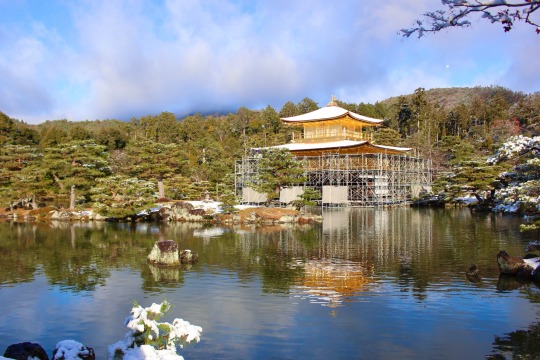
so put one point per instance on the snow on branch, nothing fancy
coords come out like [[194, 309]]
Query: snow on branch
[[516, 146], [457, 13]]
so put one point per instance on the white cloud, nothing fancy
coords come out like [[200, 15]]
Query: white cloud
[[131, 58]]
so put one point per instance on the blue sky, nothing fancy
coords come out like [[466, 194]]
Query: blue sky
[[118, 59]]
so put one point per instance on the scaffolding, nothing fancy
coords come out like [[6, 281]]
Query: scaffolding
[[377, 179]]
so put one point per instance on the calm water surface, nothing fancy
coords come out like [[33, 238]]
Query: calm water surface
[[366, 284]]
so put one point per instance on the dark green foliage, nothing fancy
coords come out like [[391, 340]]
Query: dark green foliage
[[162, 128], [306, 105], [154, 161], [288, 110], [387, 136], [277, 168], [454, 127], [308, 198], [120, 196], [112, 134], [16, 133], [271, 120], [75, 164], [228, 201], [21, 175]]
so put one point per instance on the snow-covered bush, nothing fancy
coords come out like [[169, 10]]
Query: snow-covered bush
[[522, 197], [149, 339], [515, 146], [522, 190], [72, 350]]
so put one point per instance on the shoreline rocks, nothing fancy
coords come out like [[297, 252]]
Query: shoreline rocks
[[26, 350], [64, 350], [527, 267], [181, 211], [269, 216]]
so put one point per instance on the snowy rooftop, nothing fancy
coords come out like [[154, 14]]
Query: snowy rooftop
[[329, 113], [334, 145]]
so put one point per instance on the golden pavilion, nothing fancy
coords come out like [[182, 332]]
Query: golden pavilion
[[342, 162]]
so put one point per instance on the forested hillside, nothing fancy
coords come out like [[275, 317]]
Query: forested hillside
[[123, 165]]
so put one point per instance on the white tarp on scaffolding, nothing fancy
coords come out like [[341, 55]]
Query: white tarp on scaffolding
[[381, 185], [288, 194], [335, 195], [249, 195], [418, 190]]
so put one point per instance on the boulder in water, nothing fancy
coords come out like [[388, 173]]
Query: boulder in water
[[473, 274], [164, 252], [188, 257], [528, 267], [71, 350], [25, 350]]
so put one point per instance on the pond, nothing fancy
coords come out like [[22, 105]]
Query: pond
[[367, 283]]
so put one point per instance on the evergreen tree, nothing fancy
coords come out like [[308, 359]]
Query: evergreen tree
[[457, 121], [53, 134], [6, 129], [278, 168], [271, 120], [229, 200], [179, 187], [386, 136], [306, 105], [20, 175], [162, 128], [113, 137], [152, 161], [120, 196], [288, 110], [76, 165], [308, 198], [403, 116]]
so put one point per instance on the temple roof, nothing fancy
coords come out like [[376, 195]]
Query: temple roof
[[337, 145], [330, 112]]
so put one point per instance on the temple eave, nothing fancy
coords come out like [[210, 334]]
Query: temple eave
[[345, 151]]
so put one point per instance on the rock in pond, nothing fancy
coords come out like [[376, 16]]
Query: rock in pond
[[188, 257], [25, 350], [71, 350], [473, 274], [164, 252]]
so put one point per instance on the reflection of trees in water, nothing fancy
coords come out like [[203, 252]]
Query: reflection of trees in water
[[75, 256], [527, 286], [519, 344], [416, 247], [17, 253]]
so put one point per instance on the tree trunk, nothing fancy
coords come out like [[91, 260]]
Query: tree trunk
[[33, 202], [58, 182], [161, 189], [72, 198]]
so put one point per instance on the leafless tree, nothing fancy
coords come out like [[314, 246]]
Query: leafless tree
[[457, 13]]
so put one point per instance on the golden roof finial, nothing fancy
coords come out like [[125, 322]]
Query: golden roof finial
[[332, 101]]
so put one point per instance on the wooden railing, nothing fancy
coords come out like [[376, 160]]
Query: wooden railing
[[328, 136]]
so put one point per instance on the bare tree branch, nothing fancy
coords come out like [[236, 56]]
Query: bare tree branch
[[457, 13]]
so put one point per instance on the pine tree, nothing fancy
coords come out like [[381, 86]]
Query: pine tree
[[278, 168], [120, 196], [153, 161], [76, 165]]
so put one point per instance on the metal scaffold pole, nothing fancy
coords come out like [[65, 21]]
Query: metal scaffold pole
[[367, 179]]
